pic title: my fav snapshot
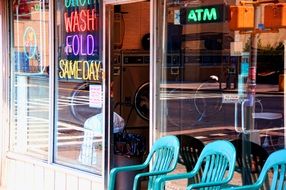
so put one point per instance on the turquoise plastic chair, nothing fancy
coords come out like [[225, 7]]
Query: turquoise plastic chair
[[250, 159], [217, 161], [164, 155], [190, 150], [276, 162]]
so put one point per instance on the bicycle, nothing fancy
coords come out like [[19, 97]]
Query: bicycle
[[208, 98], [79, 103], [81, 110], [184, 104]]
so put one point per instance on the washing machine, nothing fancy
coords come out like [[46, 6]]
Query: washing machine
[[131, 86]]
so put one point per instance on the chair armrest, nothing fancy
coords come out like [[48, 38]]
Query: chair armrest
[[115, 171], [206, 184], [138, 176], [246, 187], [162, 179]]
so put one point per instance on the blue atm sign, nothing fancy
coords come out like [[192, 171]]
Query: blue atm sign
[[206, 14]]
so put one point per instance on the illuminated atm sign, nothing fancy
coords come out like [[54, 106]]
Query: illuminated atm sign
[[206, 14]]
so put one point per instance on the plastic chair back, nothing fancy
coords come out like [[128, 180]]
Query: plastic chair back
[[275, 166], [217, 162], [190, 150], [277, 163], [250, 159], [164, 155], [216, 159]]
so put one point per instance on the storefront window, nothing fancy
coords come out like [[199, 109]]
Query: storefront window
[[218, 81], [79, 87], [29, 77]]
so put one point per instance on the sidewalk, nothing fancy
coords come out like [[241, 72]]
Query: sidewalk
[[260, 88]]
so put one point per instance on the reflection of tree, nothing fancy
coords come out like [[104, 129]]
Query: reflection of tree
[[270, 61], [265, 49]]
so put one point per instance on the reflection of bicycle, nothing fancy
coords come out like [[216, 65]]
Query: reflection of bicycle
[[81, 110], [179, 107], [79, 102], [184, 105], [208, 98]]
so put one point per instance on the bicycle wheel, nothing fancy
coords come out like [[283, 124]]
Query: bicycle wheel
[[208, 98], [178, 107], [79, 103]]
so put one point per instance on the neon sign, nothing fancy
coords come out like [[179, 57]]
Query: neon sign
[[86, 70], [82, 21], [30, 42], [81, 40], [80, 45], [77, 3], [206, 14], [37, 7]]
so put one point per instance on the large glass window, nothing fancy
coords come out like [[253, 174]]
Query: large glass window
[[218, 81], [79, 88], [29, 77]]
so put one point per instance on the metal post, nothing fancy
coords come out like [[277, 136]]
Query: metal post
[[284, 93], [251, 81], [251, 89]]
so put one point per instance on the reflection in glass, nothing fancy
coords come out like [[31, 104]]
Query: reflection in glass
[[29, 78], [79, 90], [205, 69]]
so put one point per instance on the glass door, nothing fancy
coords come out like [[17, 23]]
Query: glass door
[[128, 57], [217, 82]]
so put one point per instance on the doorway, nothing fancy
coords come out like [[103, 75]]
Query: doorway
[[129, 62]]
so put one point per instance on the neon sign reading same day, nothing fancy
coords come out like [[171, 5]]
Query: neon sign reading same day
[[81, 25]]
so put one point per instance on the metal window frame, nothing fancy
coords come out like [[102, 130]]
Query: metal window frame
[[4, 87], [52, 90]]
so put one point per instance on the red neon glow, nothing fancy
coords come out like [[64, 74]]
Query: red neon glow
[[85, 20]]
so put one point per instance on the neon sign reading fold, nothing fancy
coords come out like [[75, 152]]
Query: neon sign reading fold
[[80, 45]]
